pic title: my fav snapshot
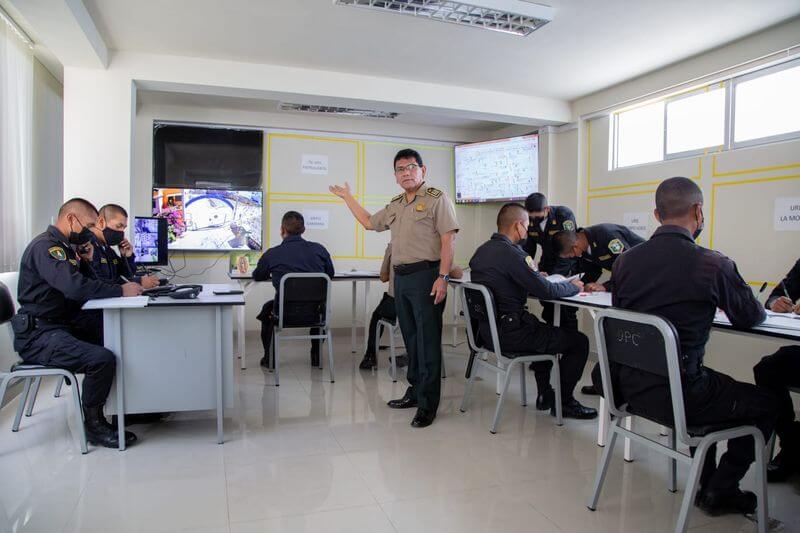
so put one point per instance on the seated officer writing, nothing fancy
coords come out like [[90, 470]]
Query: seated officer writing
[[106, 264], [778, 372], [596, 248], [502, 266], [294, 254], [671, 276], [47, 329]]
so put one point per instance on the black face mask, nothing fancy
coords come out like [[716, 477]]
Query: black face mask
[[112, 236], [537, 220], [700, 225], [80, 238]]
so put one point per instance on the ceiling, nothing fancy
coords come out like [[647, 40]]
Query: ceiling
[[590, 45]]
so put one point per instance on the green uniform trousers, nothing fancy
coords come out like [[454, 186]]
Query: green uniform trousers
[[421, 324]]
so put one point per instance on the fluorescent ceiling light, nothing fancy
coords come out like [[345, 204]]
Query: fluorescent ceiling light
[[332, 110], [517, 17]]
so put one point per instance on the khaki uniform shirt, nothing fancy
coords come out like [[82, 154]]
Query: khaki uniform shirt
[[417, 226]]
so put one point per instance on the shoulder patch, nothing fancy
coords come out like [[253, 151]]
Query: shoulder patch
[[436, 193], [616, 247], [569, 225], [58, 252], [398, 197]]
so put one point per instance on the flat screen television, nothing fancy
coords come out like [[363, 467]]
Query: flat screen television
[[150, 241], [210, 219], [504, 170], [199, 157]]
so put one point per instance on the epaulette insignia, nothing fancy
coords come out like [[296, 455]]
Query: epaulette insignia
[[58, 253], [398, 197], [74, 263], [103, 260], [436, 193], [604, 257]]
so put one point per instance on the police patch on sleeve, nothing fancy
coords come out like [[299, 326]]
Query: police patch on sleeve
[[529, 262], [616, 247], [569, 225], [58, 252]]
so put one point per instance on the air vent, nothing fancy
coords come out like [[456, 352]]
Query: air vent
[[517, 17], [332, 110]]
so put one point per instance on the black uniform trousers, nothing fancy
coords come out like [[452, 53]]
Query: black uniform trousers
[[268, 320], [778, 372], [384, 311], [421, 324], [524, 334], [710, 398], [73, 348]]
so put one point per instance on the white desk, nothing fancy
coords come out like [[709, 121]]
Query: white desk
[[172, 355], [246, 282]]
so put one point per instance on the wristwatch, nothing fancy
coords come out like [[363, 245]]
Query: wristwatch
[[444, 277]]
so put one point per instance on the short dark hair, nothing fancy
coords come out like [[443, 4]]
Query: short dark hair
[[77, 205], [535, 202], [510, 213], [563, 241], [676, 196], [293, 223], [111, 210], [407, 153]]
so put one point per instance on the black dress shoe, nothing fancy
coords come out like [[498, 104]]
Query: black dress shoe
[[368, 363], [423, 418], [546, 400], [314, 359], [572, 408], [408, 400], [781, 468], [728, 501], [590, 390], [263, 362]]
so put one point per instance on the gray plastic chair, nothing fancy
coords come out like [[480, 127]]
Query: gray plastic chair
[[649, 343], [478, 306], [304, 302]]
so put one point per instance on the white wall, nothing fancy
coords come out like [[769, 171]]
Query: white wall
[[48, 147]]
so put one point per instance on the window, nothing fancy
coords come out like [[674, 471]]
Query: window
[[696, 121], [640, 135], [767, 104]]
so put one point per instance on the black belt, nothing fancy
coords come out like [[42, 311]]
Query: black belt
[[413, 268]]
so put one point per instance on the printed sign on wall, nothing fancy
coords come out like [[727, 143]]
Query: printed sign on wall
[[316, 219], [637, 223], [787, 214], [314, 164]]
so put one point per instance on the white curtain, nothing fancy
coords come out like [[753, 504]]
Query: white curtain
[[16, 123]]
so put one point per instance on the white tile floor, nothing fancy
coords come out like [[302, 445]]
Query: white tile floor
[[316, 456]]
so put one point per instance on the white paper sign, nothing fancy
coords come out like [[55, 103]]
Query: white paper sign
[[637, 223], [787, 214], [314, 164], [316, 219]]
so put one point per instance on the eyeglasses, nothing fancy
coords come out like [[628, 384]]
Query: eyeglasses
[[411, 167]]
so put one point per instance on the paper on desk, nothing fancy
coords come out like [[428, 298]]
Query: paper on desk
[[357, 273], [556, 278], [117, 303], [774, 320]]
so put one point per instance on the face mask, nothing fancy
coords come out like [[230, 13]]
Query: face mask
[[537, 220], [112, 236], [79, 238], [700, 225]]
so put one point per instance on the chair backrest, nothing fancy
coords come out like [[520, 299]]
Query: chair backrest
[[645, 342], [11, 280], [305, 300], [8, 307], [478, 306]]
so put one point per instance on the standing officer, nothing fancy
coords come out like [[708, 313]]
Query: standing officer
[[778, 372], [423, 225], [596, 248], [671, 276], [294, 254], [508, 272], [51, 292], [106, 264]]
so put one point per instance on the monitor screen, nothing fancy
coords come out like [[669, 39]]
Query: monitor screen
[[504, 170], [210, 219], [150, 241]]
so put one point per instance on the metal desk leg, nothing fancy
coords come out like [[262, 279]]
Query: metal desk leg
[[112, 333], [353, 321], [602, 423], [241, 324], [366, 313], [218, 350], [455, 320], [628, 455]]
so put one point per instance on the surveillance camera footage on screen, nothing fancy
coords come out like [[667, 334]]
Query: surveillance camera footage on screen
[[504, 170], [210, 219]]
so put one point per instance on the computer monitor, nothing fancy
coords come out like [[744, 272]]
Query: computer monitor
[[150, 241]]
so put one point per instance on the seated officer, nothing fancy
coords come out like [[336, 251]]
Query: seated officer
[[596, 248], [672, 276], [106, 264], [51, 292], [502, 266], [386, 311], [778, 372], [294, 254]]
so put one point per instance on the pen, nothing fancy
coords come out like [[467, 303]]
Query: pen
[[764, 286], [126, 279], [785, 291]]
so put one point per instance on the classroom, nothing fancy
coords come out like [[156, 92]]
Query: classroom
[[399, 266]]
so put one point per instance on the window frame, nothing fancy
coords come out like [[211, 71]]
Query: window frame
[[615, 139], [722, 86]]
